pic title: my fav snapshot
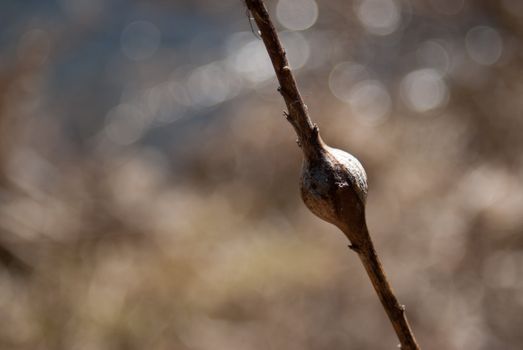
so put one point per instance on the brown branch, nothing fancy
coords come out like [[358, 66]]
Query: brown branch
[[297, 110], [333, 182], [395, 311]]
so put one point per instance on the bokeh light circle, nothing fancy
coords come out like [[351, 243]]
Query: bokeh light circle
[[343, 77], [434, 55], [379, 17], [140, 40], [297, 14], [370, 101], [484, 45], [424, 89]]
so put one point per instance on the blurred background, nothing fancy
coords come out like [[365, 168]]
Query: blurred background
[[149, 182]]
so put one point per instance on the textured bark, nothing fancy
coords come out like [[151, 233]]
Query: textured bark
[[333, 182]]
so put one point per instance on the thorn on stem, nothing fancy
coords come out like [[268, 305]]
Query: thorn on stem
[[315, 130], [354, 248]]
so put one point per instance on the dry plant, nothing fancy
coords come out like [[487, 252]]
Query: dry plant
[[333, 182]]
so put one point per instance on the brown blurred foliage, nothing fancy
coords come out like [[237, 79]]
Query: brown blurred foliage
[[148, 182]]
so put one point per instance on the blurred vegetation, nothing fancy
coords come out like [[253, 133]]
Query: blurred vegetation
[[148, 182]]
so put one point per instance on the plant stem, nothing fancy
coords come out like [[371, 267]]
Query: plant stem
[[310, 143], [297, 110], [395, 311]]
